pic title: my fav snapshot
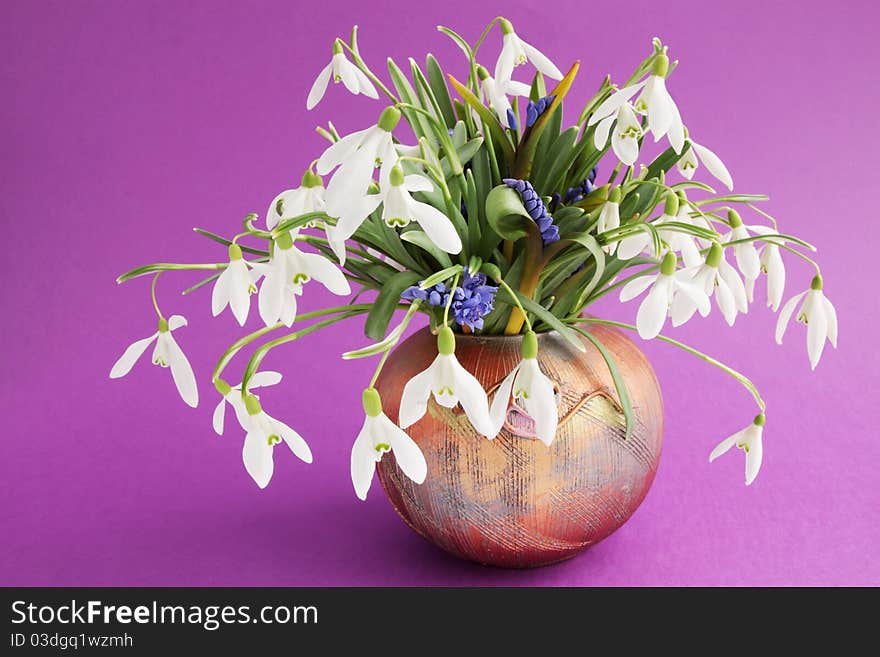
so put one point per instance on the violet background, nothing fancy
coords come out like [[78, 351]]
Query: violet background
[[125, 124]]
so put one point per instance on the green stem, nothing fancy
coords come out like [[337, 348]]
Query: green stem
[[361, 64], [449, 300], [516, 301], [699, 354], [168, 266], [153, 294]]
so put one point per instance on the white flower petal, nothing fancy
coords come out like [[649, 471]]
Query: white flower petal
[[130, 355], [831, 317], [407, 453], [365, 86], [785, 315], [340, 151], [541, 61], [724, 446], [319, 86], [175, 322], [600, 137], [726, 302], [501, 403], [817, 329], [263, 379], [609, 106], [653, 310], [414, 401], [181, 371], [541, 402], [504, 65], [294, 441], [436, 225], [219, 416], [257, 457], [363, 461], [676, 129], [417, 183], [220, 293], [270, 299], [754, 456], [346, 71], [625, 148], [473, 399], [636, 286], [659, 106], [326, 273], [714, 165]]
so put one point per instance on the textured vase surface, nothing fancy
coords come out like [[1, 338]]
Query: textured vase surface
[[513, 501]]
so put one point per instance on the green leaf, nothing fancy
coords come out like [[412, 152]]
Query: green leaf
[[551, 320], [420, 239], [589, 242], [489, 121], [506, 214], [418, 123], [664, 162], [441, 91], [386, 303], [560, 157], [465, 153], [619, 383]]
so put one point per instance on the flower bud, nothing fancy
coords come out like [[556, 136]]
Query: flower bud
[[713, 259], [163, 325], [446, 341], [760, 419], [222, 387], [234, 252], [284, 241], [372, 402], [388, 119], [312, 179], [252, 404], [734, 219], [661, 66], [396, 176], [816, 283], [506, 26], [671, 207], [667, 267], [529, 347], [615, 195]]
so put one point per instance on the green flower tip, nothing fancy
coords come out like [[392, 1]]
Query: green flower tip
[[760, 419], [446, 341], [234, 252], [337, 47], [682, 196], [615, 195], [388, 119], [506, 26], [670, 261], [734, 219], [284, 241], [482, 73], [671, 207], [252, 404], [530, 345], [713, 259], [372, 402], [816, 283], [222, 387], [661, 65], [396, 176], [163, 325], [312, 179]]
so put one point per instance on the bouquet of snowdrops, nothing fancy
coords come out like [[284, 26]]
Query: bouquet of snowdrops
[[494, 220]]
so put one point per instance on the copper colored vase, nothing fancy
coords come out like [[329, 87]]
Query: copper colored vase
[[512, 501]]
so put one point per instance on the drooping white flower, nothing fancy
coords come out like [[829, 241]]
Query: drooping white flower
[[690, 160], [746, 253], [263, 433], [357, 155], [532, 390], [609, 218], [772, 265], [378, 436], [678, 241], [286, 272], [497, 93], [232, 395], [515, 52], [748, 440], [450, 384], [715, 277], [666, 286], [166, 354], [818, 313], [341, 70], [305, 199], [234, 287], [625, 136], [399, 208], [655, 101]]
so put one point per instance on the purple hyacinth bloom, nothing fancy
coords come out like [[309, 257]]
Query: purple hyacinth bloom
[[472, 300], [536, 108], [536, 209], [511, 120]]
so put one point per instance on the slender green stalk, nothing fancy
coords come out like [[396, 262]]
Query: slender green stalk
[[449, 300], [153, 294], [361, 64], [168, 266], [742, 379]]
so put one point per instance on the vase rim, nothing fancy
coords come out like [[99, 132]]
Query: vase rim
[[498, 338]]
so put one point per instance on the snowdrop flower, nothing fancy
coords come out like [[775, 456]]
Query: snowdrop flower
[[450, 384], [232, 395], [717, 277], [167, 353], [497, 91], [655, 101], [697, 153], [626, 134], [234, 287], [357, 155], [747, 258], [263, 433], [341, 70], [286, 272], [772, 265], [515, 52], [630, 247], [748, 440], [818, 313], [305, 199], [377, 437], [399, 208], [666, 286], [532, 390], [609, 218]]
